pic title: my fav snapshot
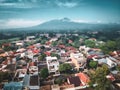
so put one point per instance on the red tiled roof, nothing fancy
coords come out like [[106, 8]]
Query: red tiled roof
[[91, 56], [83, 77], [70, 41], [31, 47], [35, 51], [31, 64], [48, 43], [61, 46], [47, 53], [70, 48], [111, 77], [6, 44], [3, 55]]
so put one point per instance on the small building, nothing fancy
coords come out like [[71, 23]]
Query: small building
[[83, 78], [30, 39], [52, 64], [31, 82], [78, 60], [13, 86], [74, 80]]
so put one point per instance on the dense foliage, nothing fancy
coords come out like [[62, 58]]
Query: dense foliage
[[65, 68], [93, 64], [99, 78], [44, 73]]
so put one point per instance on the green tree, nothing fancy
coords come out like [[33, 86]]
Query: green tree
[[58, 81], [93, 64], [118, 68], [99, 77], [54, 43], [44, 73], [90, 43], [55, 55], [76, 44], [108, 47], [42, 57], [4, 76], [65, 68]]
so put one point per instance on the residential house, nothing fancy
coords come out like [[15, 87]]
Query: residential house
[[31, 81], [33, 70], [30, 38], [53, 39], [19, 43], [78, 60], [83, 78], [84, 49], [74, 80], [111, 62], [52, 64]]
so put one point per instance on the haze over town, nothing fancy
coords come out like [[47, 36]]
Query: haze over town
[[26, 13], [59, 44]]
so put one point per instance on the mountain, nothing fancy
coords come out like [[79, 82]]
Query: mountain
[[67, 24], [62, 24]]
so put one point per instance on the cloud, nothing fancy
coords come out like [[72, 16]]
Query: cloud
[[87, 21], [18, 23], [18, 3], [81, 20], [67, 4], [39, 3], [14, 5]]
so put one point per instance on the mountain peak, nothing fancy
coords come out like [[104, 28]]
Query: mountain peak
[[65, 19]]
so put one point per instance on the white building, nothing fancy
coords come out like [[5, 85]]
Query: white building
[[52, 64], [30, 39], [78, 60]]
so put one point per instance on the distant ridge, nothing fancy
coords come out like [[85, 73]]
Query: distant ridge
[[67, 24]]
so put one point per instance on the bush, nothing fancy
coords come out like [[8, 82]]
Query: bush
[[44, 73], [93, 64], [65, 68]]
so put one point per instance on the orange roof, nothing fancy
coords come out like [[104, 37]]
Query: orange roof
[[83, 77], [31, 47], [48, 43], [61, 46], [47, 53], [31, 64], [35, 51], [70, 41], [3, 55]]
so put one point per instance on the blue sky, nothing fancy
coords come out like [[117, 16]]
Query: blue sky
[[25, 13]]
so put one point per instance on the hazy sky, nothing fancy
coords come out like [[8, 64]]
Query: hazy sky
[[24, 13]]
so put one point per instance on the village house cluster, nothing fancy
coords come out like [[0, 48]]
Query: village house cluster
[[23, 65]]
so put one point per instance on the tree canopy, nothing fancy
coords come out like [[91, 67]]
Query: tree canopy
[[42, 57], [65, 67], [99, 78], [44, 73], [93, 64], [109, 46], [90, 43]]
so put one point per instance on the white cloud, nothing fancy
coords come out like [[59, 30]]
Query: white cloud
[[18, 23], [87, 21], [99, 21], [7, 4], [67, 4], [19, 4], [81, 20]]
